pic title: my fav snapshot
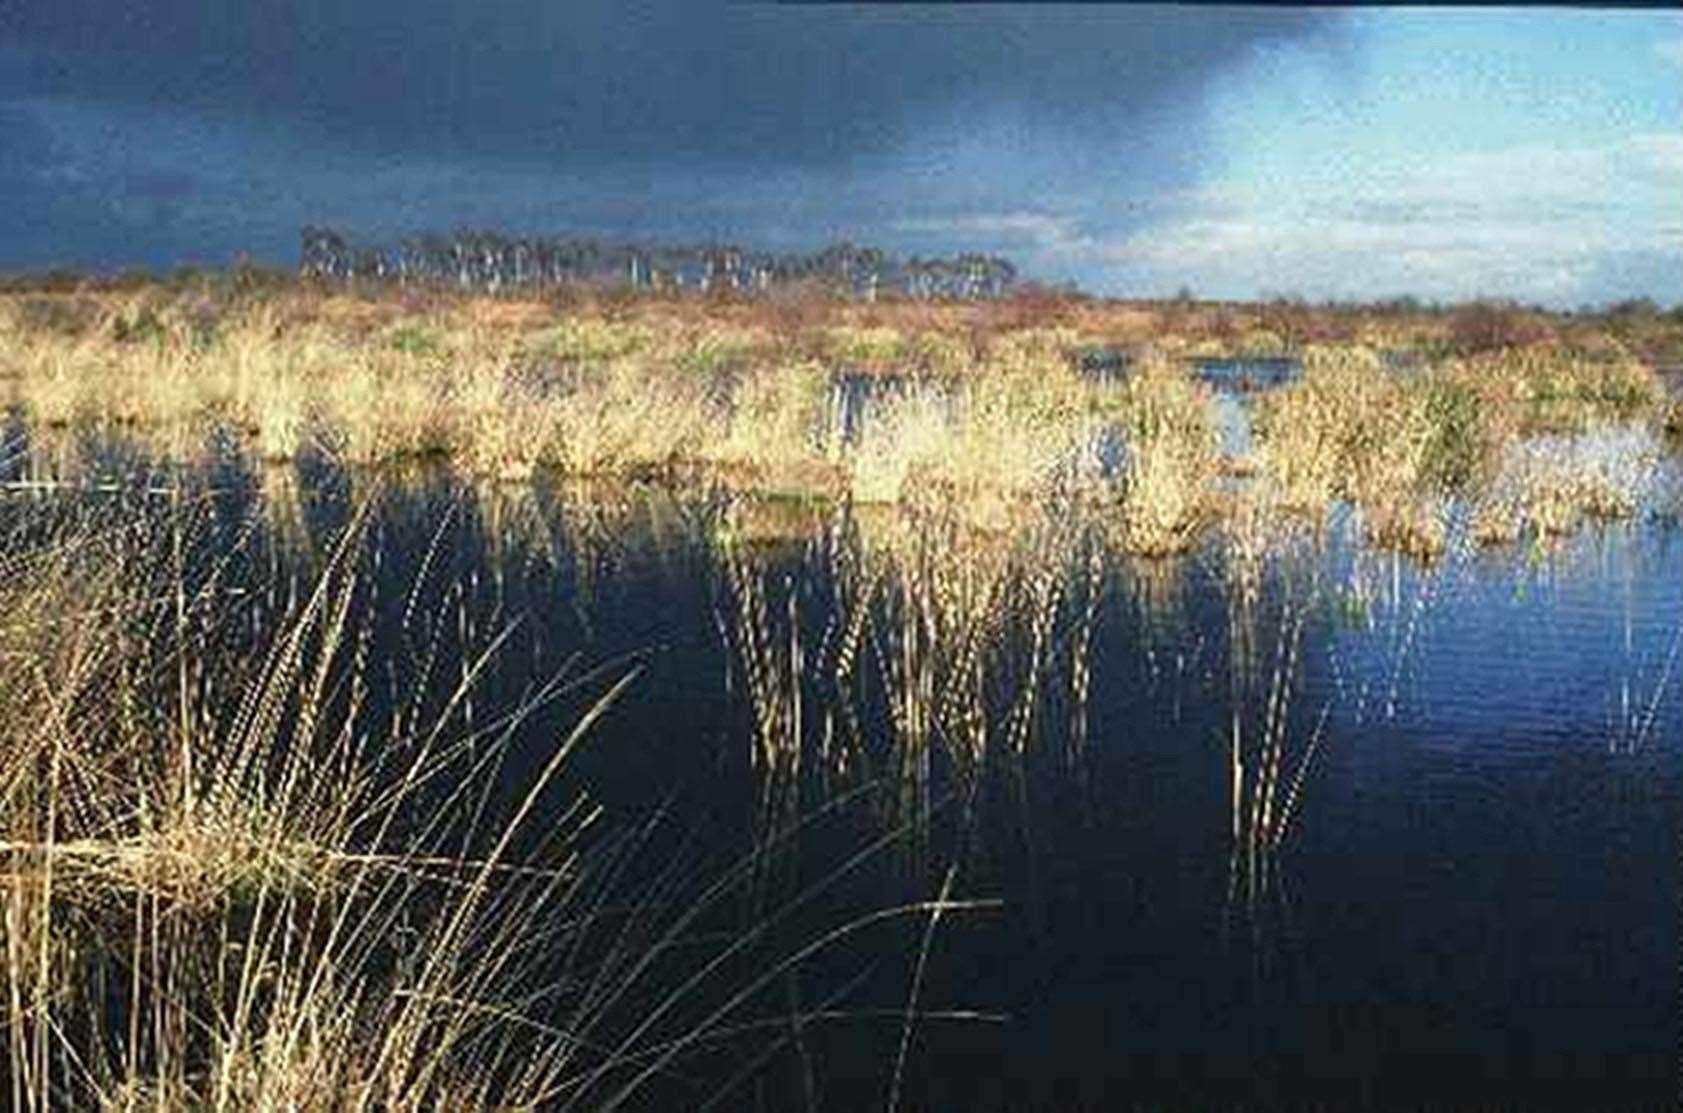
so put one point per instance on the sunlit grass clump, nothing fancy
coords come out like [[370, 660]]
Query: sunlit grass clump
[[1171, 461], [1397, 446], [987, 407], [250, 864], [979, 443], [1558, 480]]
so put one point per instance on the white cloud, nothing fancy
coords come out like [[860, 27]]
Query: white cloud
[[1537, 223], [1040, 234]]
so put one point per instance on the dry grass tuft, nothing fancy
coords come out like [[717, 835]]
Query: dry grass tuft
[[1672, 422], [228, 882], [1557, 480], [981, 406], [1172, 461]]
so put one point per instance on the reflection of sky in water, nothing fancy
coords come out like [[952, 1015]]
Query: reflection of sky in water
[[1498, 806], [1234, 419], [1236, 384], [1576, 643]]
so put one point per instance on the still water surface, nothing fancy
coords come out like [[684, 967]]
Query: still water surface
[[1324, 829]]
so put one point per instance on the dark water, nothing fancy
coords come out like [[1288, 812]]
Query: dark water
[[1250, 373], [1331, 830], [1235, 385], [1104, 365]]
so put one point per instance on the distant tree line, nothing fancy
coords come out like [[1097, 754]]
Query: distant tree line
[[489, 262]]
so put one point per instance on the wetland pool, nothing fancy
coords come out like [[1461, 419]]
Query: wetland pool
[[1311, 827]]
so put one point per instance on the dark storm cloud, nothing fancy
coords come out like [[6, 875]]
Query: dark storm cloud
[[970, 106], [673, 79]]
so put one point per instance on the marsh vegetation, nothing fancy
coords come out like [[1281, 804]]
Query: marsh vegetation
[[612, 701], [987, 407]]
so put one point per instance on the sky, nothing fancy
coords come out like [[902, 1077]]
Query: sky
[[1236, 152]]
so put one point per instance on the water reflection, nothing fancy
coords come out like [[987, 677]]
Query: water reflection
[[1249, 374], [1235, 385], [1269, 760], [1238, 804], [912, 652]]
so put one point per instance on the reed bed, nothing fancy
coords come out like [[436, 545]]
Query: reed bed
[[249, 867], [1399, 447], [986, 407]]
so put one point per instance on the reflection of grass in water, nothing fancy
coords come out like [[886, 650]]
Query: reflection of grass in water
[[908, 648], [1270, 758], [1156, 587], [235, 882], [908, 652], [282, 501], [936, 652], [1267, 776]]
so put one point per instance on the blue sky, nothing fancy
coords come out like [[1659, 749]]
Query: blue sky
[[1533, 154], [1536, 154]]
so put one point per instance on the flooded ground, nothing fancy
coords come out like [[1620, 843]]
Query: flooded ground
[[1282, 826]]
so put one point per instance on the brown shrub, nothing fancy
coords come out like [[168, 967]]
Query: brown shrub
[[1490, 326]]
